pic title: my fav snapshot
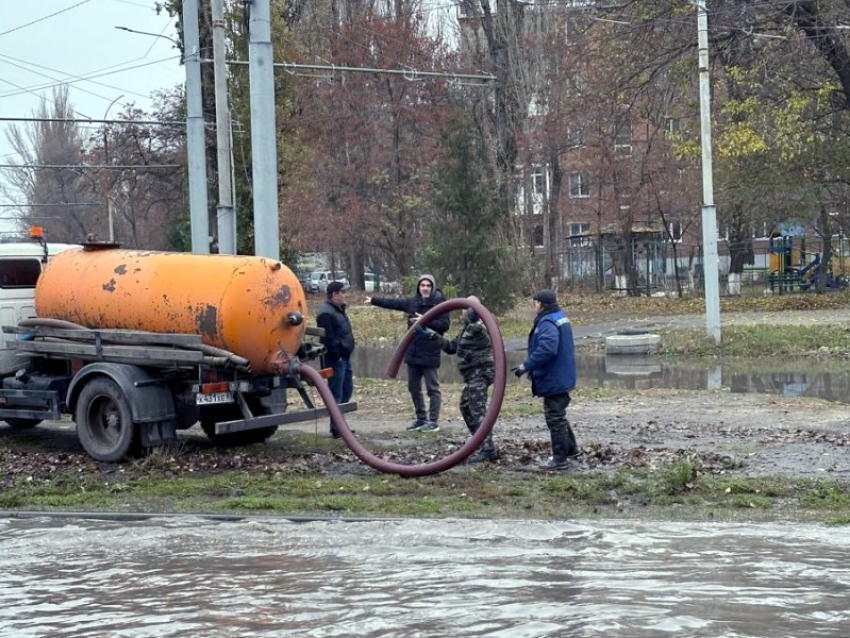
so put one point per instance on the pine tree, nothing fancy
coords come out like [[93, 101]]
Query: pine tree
[[462, 247]]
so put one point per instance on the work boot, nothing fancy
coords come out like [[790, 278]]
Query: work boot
[[418, 423], [561, 450], [484, 456], [571, 443], [430, 426], [555, 464]]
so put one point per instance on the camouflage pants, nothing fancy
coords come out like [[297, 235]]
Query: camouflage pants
[[473, 402]]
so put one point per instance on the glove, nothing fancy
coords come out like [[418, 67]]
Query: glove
[[427, 333], [519, 370], [471, 317]]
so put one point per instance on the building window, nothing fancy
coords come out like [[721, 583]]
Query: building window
[[579, 185], [538, 235], [676, 231], [672, 125], [623, 137], [762, 230], [579, 232], [722, 231], [576, 134], [538, 181]]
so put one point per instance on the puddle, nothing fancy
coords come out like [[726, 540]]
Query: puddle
[[802, 378], [420, 578]]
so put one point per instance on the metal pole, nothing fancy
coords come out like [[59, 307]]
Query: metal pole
[[709, 211], [226, 215], [195, 147], [111, 223], [263, 132]]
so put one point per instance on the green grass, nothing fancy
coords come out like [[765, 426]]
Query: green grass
[[677, 490], [760, 341]]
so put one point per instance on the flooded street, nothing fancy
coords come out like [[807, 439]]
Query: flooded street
[[798, 378], [196, 577]]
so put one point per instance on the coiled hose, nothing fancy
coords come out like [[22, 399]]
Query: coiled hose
[[474, 442]]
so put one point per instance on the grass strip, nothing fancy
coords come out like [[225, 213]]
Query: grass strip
[[675, 491]]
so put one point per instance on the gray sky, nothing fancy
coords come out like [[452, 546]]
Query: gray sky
[[81, 41]]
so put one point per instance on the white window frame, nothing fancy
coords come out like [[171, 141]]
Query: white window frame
[[579, 184], [579, 228], [671, 234], [619, 146]]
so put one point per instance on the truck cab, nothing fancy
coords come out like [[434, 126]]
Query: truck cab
[[21, 263]]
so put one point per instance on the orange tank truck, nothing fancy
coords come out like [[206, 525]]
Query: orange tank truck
[[242, 304]]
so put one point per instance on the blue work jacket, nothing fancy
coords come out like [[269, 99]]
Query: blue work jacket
[[551, 358]]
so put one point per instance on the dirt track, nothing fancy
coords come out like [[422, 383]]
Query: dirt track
[[739, 434]]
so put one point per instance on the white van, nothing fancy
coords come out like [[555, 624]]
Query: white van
[[20, 266]]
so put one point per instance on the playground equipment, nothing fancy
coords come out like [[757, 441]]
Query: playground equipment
[[792, 269]]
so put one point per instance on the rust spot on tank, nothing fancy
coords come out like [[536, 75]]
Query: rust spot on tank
[[109, 286], [121, 270], [281, 298], [207, 321]]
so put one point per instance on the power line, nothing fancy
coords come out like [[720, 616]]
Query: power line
[[83, 79], [408, 73], [7, 58], [22, 26], [79, 88], [92, 166], [90, 121], [54, 204]]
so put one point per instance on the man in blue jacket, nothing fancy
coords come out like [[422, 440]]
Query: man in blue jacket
[[551, 363]]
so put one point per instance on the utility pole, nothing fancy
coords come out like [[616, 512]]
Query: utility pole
[[709, 210], [263, 131], [226, 215], [195, 147]]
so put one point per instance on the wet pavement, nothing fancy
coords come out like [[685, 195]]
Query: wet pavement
[[252, 578], [804, 378]]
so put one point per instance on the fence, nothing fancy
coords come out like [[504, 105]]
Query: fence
[[774, 268]]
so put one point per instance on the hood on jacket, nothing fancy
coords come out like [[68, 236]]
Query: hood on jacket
[[427, 278]]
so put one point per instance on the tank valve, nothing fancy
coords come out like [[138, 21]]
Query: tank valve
[[295, 318]]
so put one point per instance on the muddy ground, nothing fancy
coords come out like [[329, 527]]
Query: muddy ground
[[724, 433]]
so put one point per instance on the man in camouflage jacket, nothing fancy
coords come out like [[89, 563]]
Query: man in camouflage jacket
[[472, 345]]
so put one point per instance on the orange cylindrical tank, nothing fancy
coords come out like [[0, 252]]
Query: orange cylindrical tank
[[238, 303]]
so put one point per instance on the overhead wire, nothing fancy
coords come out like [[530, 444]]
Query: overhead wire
[[42, 19], [86, 78], [3, 59]]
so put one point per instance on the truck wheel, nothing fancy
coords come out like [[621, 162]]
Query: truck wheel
[[104, 421], [22, 424]]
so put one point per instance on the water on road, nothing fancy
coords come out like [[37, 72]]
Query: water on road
[[256, 578]]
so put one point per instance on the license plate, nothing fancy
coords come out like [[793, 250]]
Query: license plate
[[214, 397]]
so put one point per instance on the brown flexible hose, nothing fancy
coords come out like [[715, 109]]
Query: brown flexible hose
[[473, 443]]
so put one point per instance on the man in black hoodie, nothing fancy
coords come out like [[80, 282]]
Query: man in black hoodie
[[339, 344], [423, 355]]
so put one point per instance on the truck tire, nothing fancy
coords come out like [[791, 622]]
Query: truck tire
[[104, 421], [22, 424]]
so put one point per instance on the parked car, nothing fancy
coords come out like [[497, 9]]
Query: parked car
[[374, 283], [319, 280]]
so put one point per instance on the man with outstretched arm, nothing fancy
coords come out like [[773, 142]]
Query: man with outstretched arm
[[423, 355]]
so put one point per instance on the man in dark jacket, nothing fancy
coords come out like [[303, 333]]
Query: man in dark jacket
[[423, 355], [339, 344], [552, 365]]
